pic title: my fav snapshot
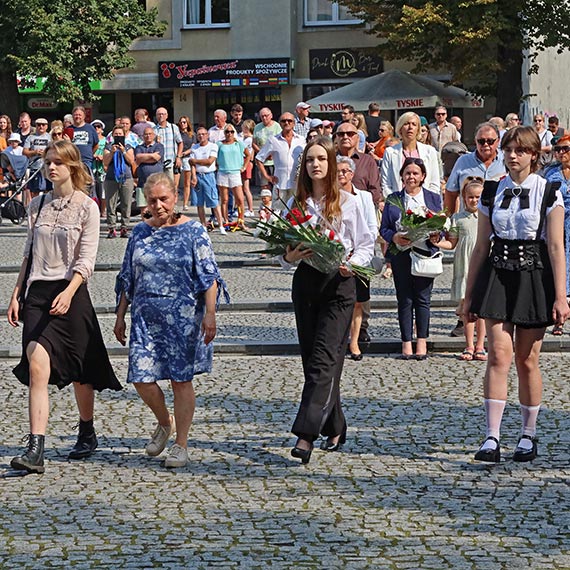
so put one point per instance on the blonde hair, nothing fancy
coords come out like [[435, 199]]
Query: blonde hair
[[405, 118], [68, 153], [157, 179], [305, 184]]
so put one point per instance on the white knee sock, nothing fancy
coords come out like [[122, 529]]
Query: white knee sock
[[529, 416], [494, 410]]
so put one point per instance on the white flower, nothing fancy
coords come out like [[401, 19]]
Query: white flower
[[187, 311], [203, 252], [169, 319], [145, 364]]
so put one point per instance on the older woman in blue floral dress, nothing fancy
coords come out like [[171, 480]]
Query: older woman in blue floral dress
[[170, 277]]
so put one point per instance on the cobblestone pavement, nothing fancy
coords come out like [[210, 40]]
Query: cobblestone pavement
[[403, 494]]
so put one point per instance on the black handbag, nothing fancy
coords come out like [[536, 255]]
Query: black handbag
[[22, 292]]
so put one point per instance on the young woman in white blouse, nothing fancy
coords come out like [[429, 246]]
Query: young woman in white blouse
[[518, 284], [324, 302], [61, 341]]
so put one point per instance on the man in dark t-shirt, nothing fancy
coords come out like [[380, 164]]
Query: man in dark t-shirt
[[84, 136], [149, 156]]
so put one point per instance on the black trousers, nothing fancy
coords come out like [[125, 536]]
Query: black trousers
[[413, 295], [323, 311]]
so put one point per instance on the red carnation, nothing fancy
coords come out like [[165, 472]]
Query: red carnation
[[409, 212], [429, 215]]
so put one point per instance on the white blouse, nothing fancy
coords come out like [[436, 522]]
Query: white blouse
[[512, 222], [66, 237], [351, 230]]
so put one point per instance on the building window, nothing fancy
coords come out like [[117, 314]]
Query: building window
[[206, 13], [327, 13]]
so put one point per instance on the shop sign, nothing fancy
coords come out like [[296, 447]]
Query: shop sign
[[344, 63], [224, 73], [41, 103]]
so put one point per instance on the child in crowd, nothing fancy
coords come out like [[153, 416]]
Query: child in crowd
[[264, 212], [462, 237], [247, 138]]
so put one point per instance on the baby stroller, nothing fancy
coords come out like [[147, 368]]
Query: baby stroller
[[15, 170]]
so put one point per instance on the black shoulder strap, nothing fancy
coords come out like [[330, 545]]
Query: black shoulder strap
[[548, 199], [488, 198]]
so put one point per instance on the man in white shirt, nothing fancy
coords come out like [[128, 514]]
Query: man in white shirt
[[34, 148], [286, 149], [168, 134], [216, 133], [441, 130], [203, 164]]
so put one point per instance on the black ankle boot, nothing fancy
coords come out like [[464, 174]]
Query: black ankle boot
[[32, 460], [86, 441]]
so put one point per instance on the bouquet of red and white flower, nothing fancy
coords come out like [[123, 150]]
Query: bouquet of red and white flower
[[312, 232], [419, 223]]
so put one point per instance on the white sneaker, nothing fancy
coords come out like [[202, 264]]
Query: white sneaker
[[159, 438], [177, 457], [223, 230], [249, 214]]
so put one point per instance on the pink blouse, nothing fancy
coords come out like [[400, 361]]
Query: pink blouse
[[66, 237]]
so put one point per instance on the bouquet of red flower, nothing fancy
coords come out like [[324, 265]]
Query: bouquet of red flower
[[418, 224], [312, 232]]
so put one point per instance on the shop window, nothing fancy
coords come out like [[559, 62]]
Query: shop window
[[207, 13], [327, 13]]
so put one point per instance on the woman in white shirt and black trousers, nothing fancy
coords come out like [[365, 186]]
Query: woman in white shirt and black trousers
[[517, 283], [324, 302], [61, 340]]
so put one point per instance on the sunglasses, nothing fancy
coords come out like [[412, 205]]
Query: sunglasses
[[346, 134], [475, 179], [440, 114], [562, 149], [229, 131], [490, 142], [344, 172], [412, 160], [286, 121]]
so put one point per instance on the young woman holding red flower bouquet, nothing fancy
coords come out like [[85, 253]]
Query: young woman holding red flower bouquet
[[324, 302], [517, 283], [412, 293]]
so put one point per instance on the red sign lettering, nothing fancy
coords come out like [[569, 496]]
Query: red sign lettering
[[409, 103]]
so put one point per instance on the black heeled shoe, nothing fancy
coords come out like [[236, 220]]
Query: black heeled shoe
[[354, 356], [522, 454], [303, 454], [328, 445], [489, 455]]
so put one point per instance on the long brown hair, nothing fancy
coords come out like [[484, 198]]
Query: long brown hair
[[69, 155], [8, 125], [189, 130], [305, 184]]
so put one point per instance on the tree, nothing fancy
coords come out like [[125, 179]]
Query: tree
[[68, 43], [479, 42]]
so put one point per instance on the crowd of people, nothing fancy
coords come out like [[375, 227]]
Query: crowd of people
[[509, 230]]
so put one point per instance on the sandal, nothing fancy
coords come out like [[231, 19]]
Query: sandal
[[480, 355], [558, 330], [467, 355]]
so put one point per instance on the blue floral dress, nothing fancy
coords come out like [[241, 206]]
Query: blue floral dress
[[164, 275], [554, 174]]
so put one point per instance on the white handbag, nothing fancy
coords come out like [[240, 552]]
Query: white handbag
[[426, 266]]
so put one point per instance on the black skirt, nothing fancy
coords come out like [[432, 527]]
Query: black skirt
[[73, 341], [524, 298]]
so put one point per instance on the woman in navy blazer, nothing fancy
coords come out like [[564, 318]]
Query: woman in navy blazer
[[413, 293]]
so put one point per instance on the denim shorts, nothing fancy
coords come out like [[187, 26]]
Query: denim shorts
[[206, 190]]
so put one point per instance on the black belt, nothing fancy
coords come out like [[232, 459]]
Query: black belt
[[517, 255]]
